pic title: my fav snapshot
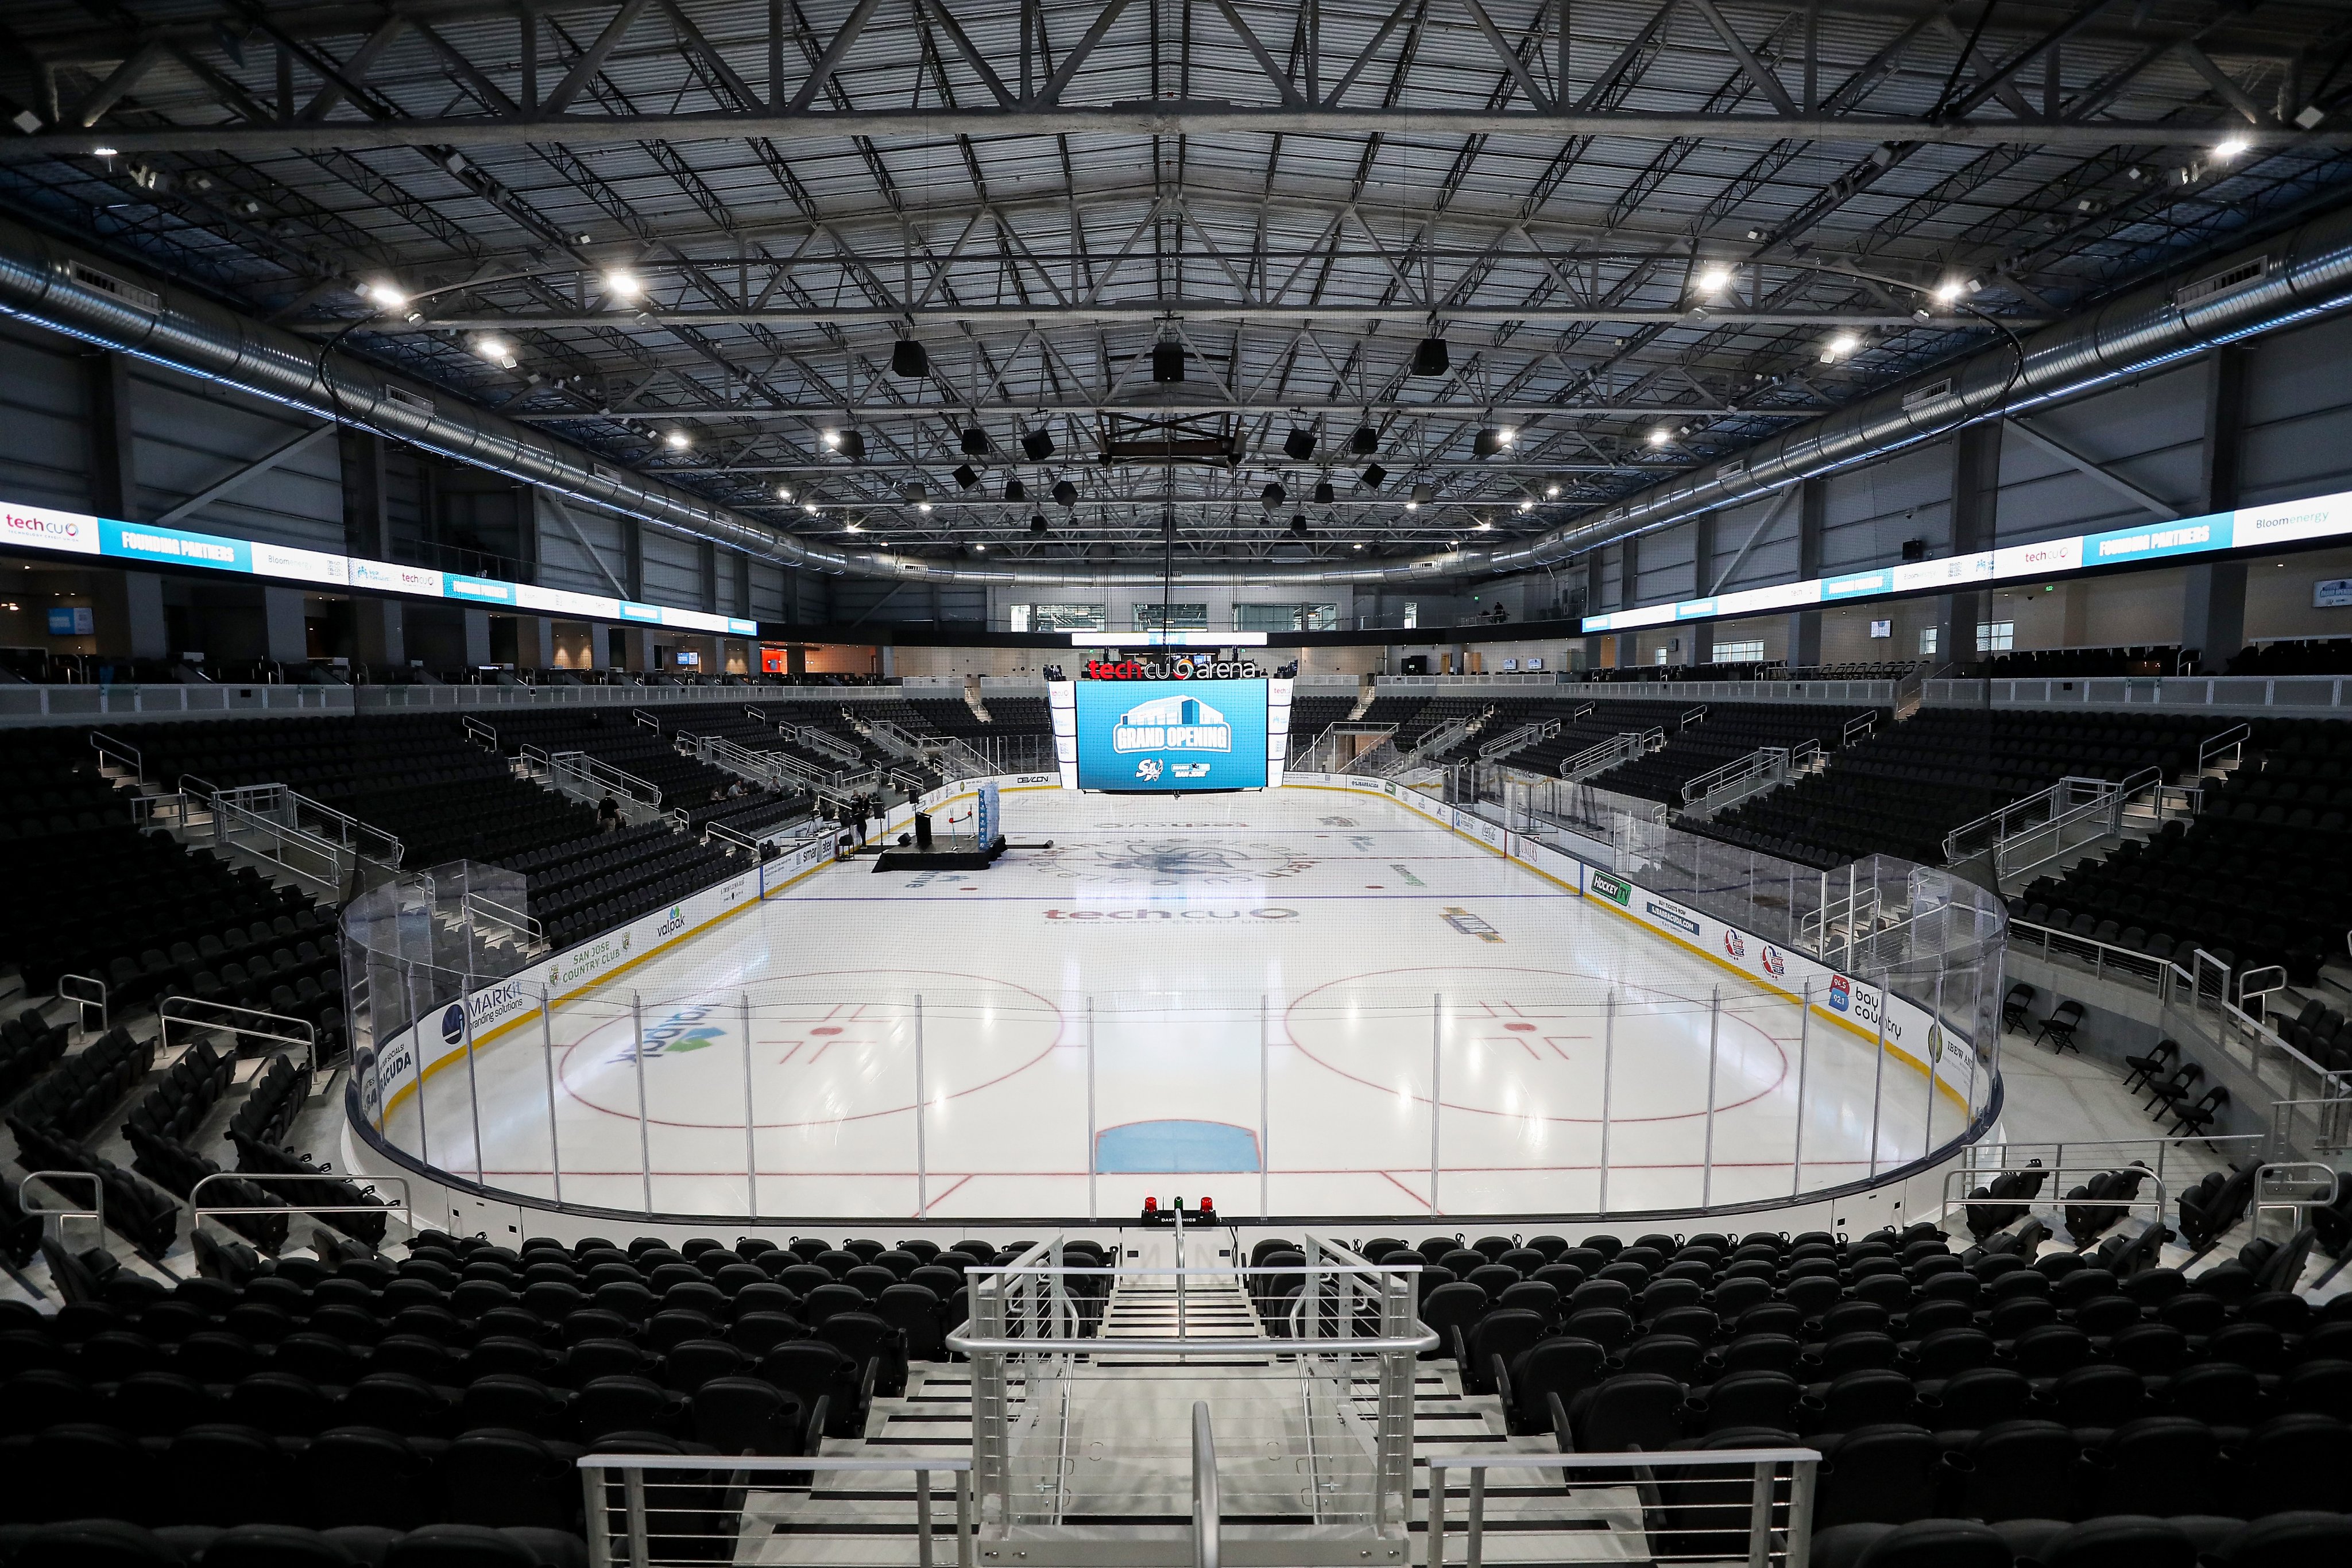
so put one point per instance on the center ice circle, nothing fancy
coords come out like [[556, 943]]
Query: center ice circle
[[829, 1046], [1527, 1044]]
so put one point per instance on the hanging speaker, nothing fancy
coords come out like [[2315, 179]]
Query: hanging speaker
[[1166, 361], [1323, 497], [852, 446], [964, 477], [1036, 446], [975, 442], [1429, 358], [1371, 476], [908, 359], [1066, 493], [1015, 491], [1301, 445], [1365, 442]]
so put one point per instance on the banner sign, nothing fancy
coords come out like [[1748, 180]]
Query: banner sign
[[75, 533], [2248, 527]]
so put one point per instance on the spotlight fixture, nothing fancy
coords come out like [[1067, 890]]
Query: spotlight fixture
[[1529, 505], [809, 507], [1015, 490], [1036, 523], [1839, 348], [783, 492], [1551, 492], [385, 295], [908, 360], [1037, 445], [979, 548], [622, 284], [1423, 494], [678, 441], [1323, 497], [1371, 476], [1430, 358], [1066, 493], [1166, 361], [1299, 444], [496, 350], [1714, 280], [832, 438], [104, 152], [1493, 439], [1358, 545], [975, 442], [965, 477], [1272, 495], [1949, 291], [1365, 442], [1483, 525], [1660, 436], [2231, 147]]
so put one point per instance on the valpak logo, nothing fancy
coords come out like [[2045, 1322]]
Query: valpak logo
[[1734, 944], [1774, 963], [49, 530], [1195, 915], [672, 924]]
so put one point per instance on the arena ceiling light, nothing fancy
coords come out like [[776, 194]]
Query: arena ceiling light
[[622, 284], [385, 294], [497, 350], [1551, 492], [1841, 347], [783, 492], [2231, 147], [1659, 437], [678, 441], [1713, 279], [1492, 440]]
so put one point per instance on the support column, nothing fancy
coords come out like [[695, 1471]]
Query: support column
[[534, 642], [130, 615], [281, 610], [1699, 637], [1805, 625], [477, 637], [114, 486], [383, 633], [1976, 490], [638, 649], [706, 561], [2213, 594], [633, 551], [1593, 586], [367, 530]]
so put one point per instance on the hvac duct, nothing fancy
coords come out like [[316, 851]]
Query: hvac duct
[[2302, 272]]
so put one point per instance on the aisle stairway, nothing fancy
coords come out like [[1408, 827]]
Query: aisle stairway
[[1130, 1483]]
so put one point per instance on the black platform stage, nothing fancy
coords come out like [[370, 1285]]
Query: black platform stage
[[945, 853]]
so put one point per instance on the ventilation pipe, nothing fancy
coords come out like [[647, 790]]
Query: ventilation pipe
[[2302, 272]]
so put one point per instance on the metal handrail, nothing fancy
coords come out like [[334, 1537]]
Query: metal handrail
[[481, 734], [593, 1468], [2232, 741], [1956, 1180], [35, 1211], [1993, 824], [1208, 1525], [198, 1212], [595, 770], [644, 720], [1797, 1534], [86, 1003], [166, 1016], [113, 750], [1692, 716]]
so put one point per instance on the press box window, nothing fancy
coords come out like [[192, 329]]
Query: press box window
[[1996, 636], [1058, 617], [1739, 653]]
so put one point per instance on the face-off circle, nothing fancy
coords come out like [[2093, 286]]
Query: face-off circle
[[829, 1046], [1526, 1044]]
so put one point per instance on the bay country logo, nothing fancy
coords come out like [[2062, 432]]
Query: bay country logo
[[681, 1032]]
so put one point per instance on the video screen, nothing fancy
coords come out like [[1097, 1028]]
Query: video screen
[[1136, 736]]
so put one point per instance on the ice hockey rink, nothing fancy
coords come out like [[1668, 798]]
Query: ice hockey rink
[[1237, 996]]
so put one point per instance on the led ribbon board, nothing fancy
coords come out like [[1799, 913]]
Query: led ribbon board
[[75, 533], [2248, 527]]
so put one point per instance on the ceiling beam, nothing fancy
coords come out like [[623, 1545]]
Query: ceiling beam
[[1314, 408], [1153, 311], [1165, 118]]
